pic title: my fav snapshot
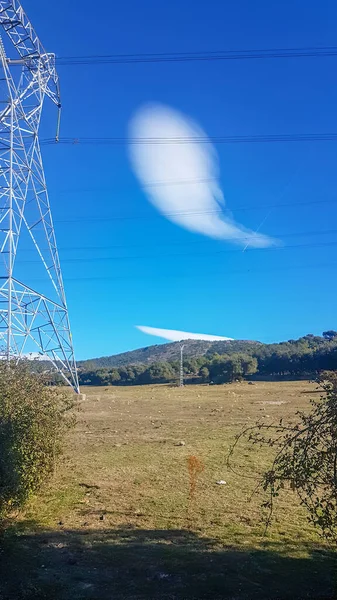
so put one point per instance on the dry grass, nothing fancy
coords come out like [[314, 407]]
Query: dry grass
[[118, 521]]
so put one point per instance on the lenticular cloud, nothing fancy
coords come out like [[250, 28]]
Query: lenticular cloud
[[176, 336], [180, 177]]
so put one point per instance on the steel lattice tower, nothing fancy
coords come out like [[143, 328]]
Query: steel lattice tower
[[29, 319], [181, 376]]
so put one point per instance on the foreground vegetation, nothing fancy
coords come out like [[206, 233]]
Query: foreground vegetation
[[304, 357], [33, 421], [119, 519], [304, 457]]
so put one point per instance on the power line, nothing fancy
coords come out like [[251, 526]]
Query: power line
[[173, 243], [309, 52], [181, 213], [159, 275], [107, 218], [229, 139], [142, 257], [120, 246], [158, 183]]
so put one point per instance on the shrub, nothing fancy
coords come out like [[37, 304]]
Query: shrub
[[304, 458], [33, 420], [204, 373]]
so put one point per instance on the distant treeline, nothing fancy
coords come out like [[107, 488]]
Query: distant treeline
[[306, 356]]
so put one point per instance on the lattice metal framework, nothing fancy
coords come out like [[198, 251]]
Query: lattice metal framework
[[181, 375], [28, 318]]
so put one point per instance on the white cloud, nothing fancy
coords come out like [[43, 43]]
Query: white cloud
[[181, 179], [176, 336]]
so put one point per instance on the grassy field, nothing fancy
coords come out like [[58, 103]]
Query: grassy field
[[117, 522]]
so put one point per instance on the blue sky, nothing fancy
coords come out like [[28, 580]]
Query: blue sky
[[143, 269]]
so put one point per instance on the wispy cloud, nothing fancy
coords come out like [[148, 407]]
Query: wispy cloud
[[181, 179], [176, 336]]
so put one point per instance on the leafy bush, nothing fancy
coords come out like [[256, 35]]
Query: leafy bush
[[33, 420]]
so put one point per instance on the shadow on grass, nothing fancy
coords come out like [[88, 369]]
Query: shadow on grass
[[136, 564]]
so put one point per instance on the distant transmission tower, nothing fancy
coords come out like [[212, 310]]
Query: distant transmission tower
[[181, 378], [30, 320]]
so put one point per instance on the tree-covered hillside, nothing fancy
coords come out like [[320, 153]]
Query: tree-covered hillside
[[168, 353], [220, 362]]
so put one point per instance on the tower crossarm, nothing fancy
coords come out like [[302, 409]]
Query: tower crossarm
[[32, 54]]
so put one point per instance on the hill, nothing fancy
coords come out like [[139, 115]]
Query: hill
[[169, 352]]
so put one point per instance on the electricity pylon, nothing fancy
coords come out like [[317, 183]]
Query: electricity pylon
[[30, 319], [181, 378]]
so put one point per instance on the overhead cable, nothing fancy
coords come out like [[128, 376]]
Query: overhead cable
[[220, 55], [229, 139]]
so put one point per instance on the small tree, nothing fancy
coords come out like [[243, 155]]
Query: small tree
[[160, 372], [204, 373], [114, 376], [330, 334], [33, 420], [305, 458], [221, 369], [249, 365]]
